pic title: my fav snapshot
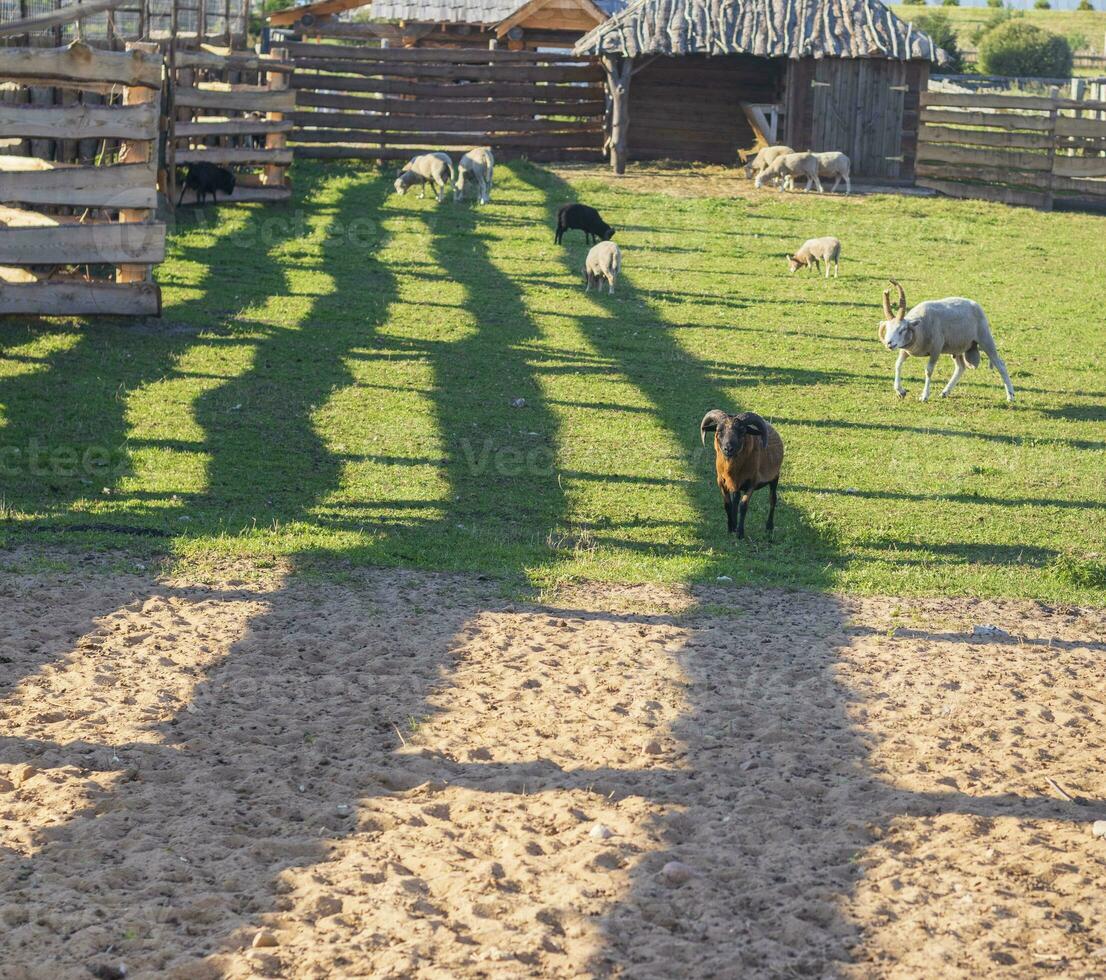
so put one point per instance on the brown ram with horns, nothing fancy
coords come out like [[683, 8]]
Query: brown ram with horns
[[748, 454]]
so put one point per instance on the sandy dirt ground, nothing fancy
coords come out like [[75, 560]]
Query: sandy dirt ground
[[405, 775]]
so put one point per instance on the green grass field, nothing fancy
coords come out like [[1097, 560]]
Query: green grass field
[[1090, 24], [334, 380]]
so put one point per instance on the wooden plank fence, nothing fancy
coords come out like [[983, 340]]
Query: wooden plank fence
[[364, 102], [89, 243], [215, 117], [1039, 151]]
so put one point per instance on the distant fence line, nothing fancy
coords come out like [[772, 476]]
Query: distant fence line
[[365, 102], [1040, 151]]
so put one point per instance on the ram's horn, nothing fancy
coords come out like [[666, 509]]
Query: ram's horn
[[714, 418], [755, 424], [887, 314], [902, 298]]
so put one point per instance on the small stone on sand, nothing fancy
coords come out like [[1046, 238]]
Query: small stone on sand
[[264, 938], [599, 832], [23, 773], [1098, 828], [676, 873], [652, 747]]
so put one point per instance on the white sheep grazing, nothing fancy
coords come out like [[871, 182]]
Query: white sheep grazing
[[953, 326], [477, 166], [786, 168], [765, 155], [815, 250], [836, 165], [604, 261], [426, 168]]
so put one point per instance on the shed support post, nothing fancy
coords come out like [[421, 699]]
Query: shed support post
[[138, 151], [618, 85]]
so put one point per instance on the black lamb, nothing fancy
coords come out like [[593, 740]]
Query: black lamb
[[206, 178], [586, 219]]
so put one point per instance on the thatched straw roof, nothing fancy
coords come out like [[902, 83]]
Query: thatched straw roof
[[767, 28]]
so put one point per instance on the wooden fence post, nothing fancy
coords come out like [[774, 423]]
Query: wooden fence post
[[138, 151], [278, 81], [1053, 112], [618, 84]]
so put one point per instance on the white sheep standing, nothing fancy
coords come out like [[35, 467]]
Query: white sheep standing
[[836, 165], [765, 155], [478, 167], [604, 261], [423, 169], [786, 168], [955, 326], [815, 250]]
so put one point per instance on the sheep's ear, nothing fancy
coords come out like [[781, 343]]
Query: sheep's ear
[[883, 333], [714, 418]]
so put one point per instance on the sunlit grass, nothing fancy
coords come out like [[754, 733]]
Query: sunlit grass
[[385, 380]]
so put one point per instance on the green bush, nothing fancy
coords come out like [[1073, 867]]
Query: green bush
[[950, 3], [938, 26], [1025, 50], [1085, 5], [1042, 5], [995, 3], [913, 3], [999, 15]]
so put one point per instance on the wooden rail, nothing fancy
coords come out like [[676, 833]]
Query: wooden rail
[[1037, 151], [367, 102], [53, 261]]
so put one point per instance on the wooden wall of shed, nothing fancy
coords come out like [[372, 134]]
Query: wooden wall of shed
[[864, 107], [687, 107]]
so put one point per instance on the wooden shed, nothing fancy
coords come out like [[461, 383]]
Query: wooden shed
[[702, 79], [456, 23]]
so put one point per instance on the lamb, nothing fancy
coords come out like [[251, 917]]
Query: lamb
[[836, 165], [206, 178], [786, 168], [748, 455], [765, 155], [426, 168], [585, 219], [604, 261], [953, 326], [476, 166], [815, 250]]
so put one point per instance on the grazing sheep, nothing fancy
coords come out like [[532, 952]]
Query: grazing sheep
[[477, 166], [206, 178], [836, 165], [786, 168], [585, 219], [815, 250], [604, 261], [765, 155], [748, 454], [426, 168], [953, 326]]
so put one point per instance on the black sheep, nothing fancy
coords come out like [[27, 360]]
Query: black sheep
[[586, 219], [207, 178]]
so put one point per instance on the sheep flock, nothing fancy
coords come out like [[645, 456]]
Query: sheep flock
[[748, 450]]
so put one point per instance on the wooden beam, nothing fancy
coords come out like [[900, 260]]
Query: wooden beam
[[348, 52], [64, 15], [239, 99], [497, 109], [231, 127], [79, 121], [618, 72], [140, 152], [500, 91], [454, 73], [476, 130], [439, 140], [77, 298], [276, 142], [324, 8], [984, 137], [227, 155], [120, 186], [219, 59], [987, 192], [92, 242], [244, 193], [994, 119], [524, 13], [78, 64]]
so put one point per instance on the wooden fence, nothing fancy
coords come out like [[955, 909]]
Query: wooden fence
[[215, 117], [371, 103], [89, 245], [1032, 150]]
